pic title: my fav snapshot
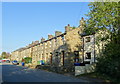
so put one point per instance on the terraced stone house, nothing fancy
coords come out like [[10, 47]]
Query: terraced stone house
[[63, 49]]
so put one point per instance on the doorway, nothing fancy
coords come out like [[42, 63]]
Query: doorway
[[63, 55]]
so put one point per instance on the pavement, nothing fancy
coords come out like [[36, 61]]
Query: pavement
[[0, 73], [15, 73]]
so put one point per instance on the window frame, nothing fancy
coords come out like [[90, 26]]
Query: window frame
[[88, 55], [88, 39]]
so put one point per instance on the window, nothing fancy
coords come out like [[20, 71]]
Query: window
[[68, 53], [87, 39], [56, 53], [88, 55], [62, 38], [51, 53]]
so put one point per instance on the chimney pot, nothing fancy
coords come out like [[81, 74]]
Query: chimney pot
[[69, 25]]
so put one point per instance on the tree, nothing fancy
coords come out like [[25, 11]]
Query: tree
[[5, 55], [102, 16]]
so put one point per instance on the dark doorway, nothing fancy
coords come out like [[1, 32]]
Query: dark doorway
[[51, 58], [63, 55], [76, 53]]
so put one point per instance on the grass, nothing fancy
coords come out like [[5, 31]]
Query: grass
[[96, 77], [102, 77]]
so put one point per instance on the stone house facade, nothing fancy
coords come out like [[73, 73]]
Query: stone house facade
[[57, 50], [63, 49]]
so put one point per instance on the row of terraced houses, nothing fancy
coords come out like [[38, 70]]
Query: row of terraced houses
[[63, 49]]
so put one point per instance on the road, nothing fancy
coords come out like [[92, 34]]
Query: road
[[14, 73], [0, 73]]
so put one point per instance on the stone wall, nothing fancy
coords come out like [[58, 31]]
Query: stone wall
[[57, 69], [84, 69]]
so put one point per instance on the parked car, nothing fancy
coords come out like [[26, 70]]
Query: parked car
[[7, 61], [15, 62]]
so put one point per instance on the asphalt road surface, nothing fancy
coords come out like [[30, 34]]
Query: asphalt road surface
[[0, 73], [14, 73]]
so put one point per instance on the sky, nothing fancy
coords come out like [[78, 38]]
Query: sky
[[24, 22]]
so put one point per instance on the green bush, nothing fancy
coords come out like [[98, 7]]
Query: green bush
[[108, 63], [28, 60]]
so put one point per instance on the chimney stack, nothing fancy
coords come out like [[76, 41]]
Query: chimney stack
[[50, 36], [57, 33], [36, 42], [68, 28], [82, 22], [42, 39], [68, 25]]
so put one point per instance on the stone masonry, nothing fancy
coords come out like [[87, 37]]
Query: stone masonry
[[63, 49]]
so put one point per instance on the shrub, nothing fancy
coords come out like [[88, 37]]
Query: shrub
[[28, 60], [108, 63]]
